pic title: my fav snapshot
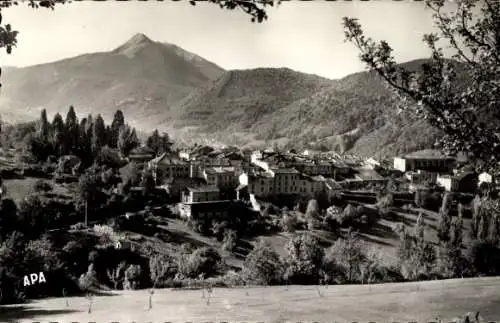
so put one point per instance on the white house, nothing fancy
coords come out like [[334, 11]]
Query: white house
[[243, 179], [485, 178], [433, 164], [446, 181]]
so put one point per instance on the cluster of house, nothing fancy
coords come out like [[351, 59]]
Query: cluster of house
[[441, 170], [202, 179], [276, 174], [205, 181]]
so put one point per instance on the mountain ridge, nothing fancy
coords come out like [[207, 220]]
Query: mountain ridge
[[355, 114], [160, 85], [148, 82]]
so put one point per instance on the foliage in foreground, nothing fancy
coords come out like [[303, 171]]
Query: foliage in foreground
[[458, 96]]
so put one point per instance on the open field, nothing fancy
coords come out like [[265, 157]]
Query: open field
[[377, 303], [18, 189]]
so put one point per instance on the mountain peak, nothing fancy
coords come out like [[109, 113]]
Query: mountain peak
[[134, 44], [139, 38]]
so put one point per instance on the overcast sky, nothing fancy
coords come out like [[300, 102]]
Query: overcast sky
[[304, 36]]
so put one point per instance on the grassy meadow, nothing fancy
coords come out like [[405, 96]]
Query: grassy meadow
[[403, 302]]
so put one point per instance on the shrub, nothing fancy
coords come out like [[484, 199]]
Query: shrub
[[107, 234], [350, 216], [89, 279], [78, 226], [312, 210], [117, 275], [42, 186], [313, 224], [161, 267], [233, 279], [132, 277], [109, 157], [330, 224], [229, 241], [262, 266], [386, 201], [303, 260], [347, 255], [289, 223], [204, 261]]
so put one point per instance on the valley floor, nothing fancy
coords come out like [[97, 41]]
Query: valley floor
[[404, 302]]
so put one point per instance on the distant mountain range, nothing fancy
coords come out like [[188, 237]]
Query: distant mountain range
[[142, 77], [162, 85]]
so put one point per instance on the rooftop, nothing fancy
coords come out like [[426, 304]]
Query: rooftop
[[368, 175], [219, 170], [193, 182], [285, 171], [318, 178], [208, 202], [168, 160], [203, 189], [427, 154], [332, 184]]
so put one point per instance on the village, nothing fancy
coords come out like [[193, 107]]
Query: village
[[205, 180]]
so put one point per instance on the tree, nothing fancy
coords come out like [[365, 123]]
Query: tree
[[72, 128], [127, 139], [89, 279], [153, 141], [84, 141], [205, 261], [348, 254], [39, 149], [57, 134], [303, 260], [444, 225], [32, 216], [148, 182], [159, 143], [159, 267], [8, 217], [229, 240], [12, 253], [117, 123], [386, 201], [262, 265], [457, 238], [493, 234], [42, 254], [458, 96], [132, 277], [417, 256], [130, 174], [89, 187], [420, 227], [98, 135], [44, 126], [116, 275], [483, 228], [312, 210]]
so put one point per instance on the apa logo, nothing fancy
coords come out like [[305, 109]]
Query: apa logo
[[34, 277]]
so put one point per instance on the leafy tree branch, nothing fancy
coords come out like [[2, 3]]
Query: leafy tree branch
[[458, 94]]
